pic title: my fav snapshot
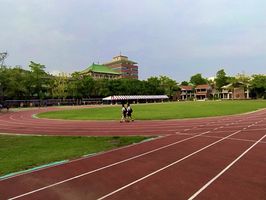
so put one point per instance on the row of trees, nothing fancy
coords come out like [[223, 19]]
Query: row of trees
[[36, 83]]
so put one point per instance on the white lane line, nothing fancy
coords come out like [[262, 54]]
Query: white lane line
[[225, 169], [105, 167], [237, 139], [165, 167]]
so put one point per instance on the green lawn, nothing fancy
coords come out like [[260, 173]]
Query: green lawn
[[175, 110], [24, 152]]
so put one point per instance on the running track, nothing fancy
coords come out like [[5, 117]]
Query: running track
[[211, 158]]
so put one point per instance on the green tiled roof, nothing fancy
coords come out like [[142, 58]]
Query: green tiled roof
[[99, 69]]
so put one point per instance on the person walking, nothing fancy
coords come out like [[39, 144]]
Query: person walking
[[129, 113], [124, 114]]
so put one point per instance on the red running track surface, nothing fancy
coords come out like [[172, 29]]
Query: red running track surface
[[211, 158]]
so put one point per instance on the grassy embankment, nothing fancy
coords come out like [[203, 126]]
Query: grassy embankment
[[176, 110], [24, 152]]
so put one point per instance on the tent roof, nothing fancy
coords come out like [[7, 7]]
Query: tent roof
[[134, 97]]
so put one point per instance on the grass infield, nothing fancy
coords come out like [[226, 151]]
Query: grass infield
[[163, 111], [23, 152]]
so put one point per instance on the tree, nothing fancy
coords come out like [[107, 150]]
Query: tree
[[258, 85], [184, 83], [221, 79], [100, 88], [169, 85], [242, 78], [153, 86], [87, 87], [59, 89], [39, 79], [15, 87], [197, 79]]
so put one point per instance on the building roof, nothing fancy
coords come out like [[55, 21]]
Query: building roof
[[205, 86], [99, 69], [233, 85], [119, 59], [186, 87]]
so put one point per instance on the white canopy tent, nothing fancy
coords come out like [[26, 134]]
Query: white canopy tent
[[135, 97]]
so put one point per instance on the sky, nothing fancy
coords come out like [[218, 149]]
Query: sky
[[174, 38]]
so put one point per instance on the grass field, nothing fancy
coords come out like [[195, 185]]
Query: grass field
[[24, 152], [175, 110]]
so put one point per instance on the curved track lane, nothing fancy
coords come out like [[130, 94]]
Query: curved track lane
[[23, 122], [211, 158]]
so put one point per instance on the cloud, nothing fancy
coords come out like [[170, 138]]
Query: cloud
[[175, 38]]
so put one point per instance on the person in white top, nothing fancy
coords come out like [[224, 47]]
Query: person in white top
[[124, 114]]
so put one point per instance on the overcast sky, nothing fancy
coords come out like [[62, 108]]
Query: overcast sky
[[176, 38]]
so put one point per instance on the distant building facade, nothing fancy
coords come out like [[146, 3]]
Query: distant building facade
[[202, 92], [186, 92], [238, 91], [119, 67], [123, 65]]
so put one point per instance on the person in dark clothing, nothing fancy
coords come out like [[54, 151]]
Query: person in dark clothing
[[129, 113]]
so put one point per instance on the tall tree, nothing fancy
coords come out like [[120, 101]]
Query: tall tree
[[197, 79], [258, 85], [59, 89], [221, 79], [153, 85], [169, 85], [15, 87], [39, 79]]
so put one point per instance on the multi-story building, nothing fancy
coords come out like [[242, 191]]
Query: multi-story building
[[202, 92], [123, 65], [186, 92], [238, 91]]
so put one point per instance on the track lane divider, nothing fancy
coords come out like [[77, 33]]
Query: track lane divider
[[108, 166], [225, 169], [167, 166]]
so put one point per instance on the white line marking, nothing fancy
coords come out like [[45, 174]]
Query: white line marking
[[165, 167], [105, 167], [225, 169], [237, 139]]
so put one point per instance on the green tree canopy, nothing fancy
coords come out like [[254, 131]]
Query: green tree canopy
[[197, 79], [39, 79], [221, 79], [185, 83], [258, 85]]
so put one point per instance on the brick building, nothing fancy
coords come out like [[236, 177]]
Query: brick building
[[186, 92], [124, 66], [202, 92], [236, 91]]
